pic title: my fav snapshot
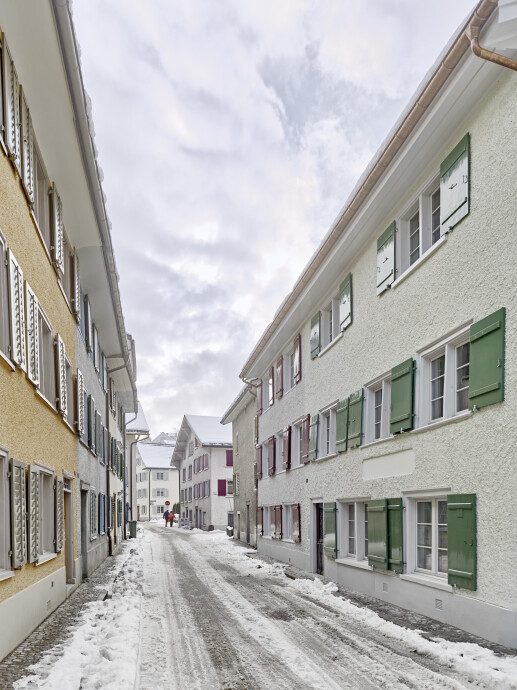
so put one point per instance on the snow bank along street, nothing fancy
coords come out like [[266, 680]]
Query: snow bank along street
[[191, 610]]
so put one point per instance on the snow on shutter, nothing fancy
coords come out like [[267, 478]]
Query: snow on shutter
[[306, 425], [279, 377], [32, 306], [11, 106], [62, 400], [58, 248], [16, 312], [259, 398], [221, 487], [77, 289], [59, 505], [345, 303], [271, 386], [34, 514], [386, 258], [296, 532], [80, 402], [18, 517], [259, 461], [286, 448], [315, 336], [27, 149], [271, 455], [297, 357]]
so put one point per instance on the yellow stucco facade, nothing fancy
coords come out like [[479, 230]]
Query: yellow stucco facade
[[29, 428]]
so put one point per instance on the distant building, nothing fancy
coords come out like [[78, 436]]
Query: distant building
[[240, 415], [137, 429], [165, 438], [204, 457], [156, 481]]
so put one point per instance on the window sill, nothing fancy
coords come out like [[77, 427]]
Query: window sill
[[331, 345], [6, 361], [45, 557], [376, 442], [419, 261], [6, 574], [93, 538], [354, 563], [44, 399], [428, 581], [324, 457], [443, 422]]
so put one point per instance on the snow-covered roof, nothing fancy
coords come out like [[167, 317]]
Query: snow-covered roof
[[245, 396], [155, 455], [166, 438], [138, 425], [209, 430]]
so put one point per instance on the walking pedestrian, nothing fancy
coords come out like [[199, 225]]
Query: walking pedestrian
[[171, 518], [166, 517]]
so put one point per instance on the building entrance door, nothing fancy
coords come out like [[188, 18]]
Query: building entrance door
[[319, 538]]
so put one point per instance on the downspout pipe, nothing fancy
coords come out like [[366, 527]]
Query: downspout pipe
[[250, 383], [484, 54]]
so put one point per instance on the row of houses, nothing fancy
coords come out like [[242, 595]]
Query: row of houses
[[67, 365], [374, 439]]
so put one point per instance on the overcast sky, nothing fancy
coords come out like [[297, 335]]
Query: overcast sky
[[230, 133]]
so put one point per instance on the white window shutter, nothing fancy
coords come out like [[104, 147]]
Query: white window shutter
[[27, 140], [34, 514], [32, 306], [17, 312], [77, 288], [18, 517], [88, 324], [12, 106], [80, 402], [61, 374], [59, 504], [58, 248]]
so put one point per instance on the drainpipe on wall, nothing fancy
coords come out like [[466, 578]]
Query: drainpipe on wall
[[473, 34]]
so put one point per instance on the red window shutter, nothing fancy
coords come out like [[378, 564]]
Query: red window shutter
[[296, 523], [221, 487], [259, 461], [271, 452], [297, 358], [279, 377], [270, 386], [229, 458], [260, 520], [286, 448], [306, 428], [259, 398]]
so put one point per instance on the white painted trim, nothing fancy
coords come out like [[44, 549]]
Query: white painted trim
[[331, 345], [428, 581], [354, 563], [419, 261], [45, 557]]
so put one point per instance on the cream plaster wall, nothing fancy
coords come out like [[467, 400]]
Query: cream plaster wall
[[466, 279]]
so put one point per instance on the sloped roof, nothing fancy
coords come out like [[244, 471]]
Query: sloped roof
[[245, 396], [209, 430], [138, 425], [156, 455]]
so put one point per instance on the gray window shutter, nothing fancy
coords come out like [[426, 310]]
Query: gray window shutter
[[62, 401], [27, 139], [34, 514], [486, 385], [17, 312], [345, 303], [386, 259], [32, 335], [315, 335], [59, 505], [98, 433], [77, 289], [58, 248], [18, 516], [88, 324], [455, 185], [341, 425], [80, 402], [11, 106]]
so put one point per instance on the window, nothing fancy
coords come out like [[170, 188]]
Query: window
[[69, 391], [419, 227], [161, 492], [190, 493], [160, 509], [329, 322], [190, 448], [444, 379], [93, 515], [102, 513], [327, 439], [353, 530], [377, 412], [287, 522], [229, 487], [160, 476], [288, 370], [431, 536], [143, 510], [189, 472], [47, 370], [184, 474]]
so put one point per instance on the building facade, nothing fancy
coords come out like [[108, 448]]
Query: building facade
[[157, 487], [137, 429], [204, 456], [62, 335], [240, 415], [385, 430]]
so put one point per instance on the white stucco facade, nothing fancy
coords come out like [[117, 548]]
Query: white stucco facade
[[467, 276], [157, 488]]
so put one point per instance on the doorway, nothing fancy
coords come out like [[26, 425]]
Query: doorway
[[318, 507]]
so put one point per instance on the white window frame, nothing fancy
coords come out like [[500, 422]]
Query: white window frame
[[359, 530], [329, 323], [288, 369], [47, 363], [410, 504], [47, 518], [382, 383], [296, 443], [279, 457], [446, 346], [160, 476], [287, 522], [327, 432]]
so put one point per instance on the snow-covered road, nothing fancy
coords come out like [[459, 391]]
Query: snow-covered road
[[196, 612]]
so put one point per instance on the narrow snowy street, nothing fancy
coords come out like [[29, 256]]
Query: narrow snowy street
[[199, 613]]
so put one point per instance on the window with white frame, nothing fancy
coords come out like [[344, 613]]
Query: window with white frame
[[288, 370], [329, 322], [327, 434], [162, 492], [229, 487], [287, 522], [161, 476], [353, 532], [47, 370], [5, 517], [431, 536], [266, 521], [143, 510], [377, 409], [296, 444], [160, 509], [444, 378], [279, 453], [419, 226]]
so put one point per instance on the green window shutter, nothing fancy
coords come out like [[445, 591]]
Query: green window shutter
[[455, 185], [486, 385], [315, 335], [313, 438], [378, 534], [355, 419], [386, 259], [395, 535], [345, 303], [330, 530], [461, 527], [341, 425], [402, 397]]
